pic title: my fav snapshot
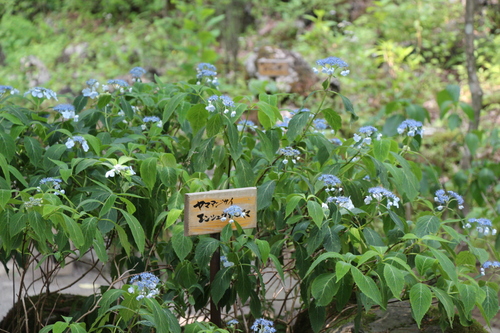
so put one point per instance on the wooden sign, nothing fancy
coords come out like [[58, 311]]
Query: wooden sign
[[204, 211], [273, 67]]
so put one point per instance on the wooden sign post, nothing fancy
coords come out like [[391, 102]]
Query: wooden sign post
[[273, 67], [204, 214]]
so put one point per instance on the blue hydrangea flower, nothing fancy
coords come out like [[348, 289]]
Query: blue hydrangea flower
[[152, 119], [53, 183], [380, 193], [226, 101], [232, 322], [345, 72], [364, 135], [137, 72], [483, 226], [294, 112], [411, 127], [331, 182], [225, 262], [489, 264], [330, 64], [77, 138], [120, 169], [40, 92], [246, 123], [442, 198], [289, 152], [320, 124], [147, 285], [206, 71], [67, 111], [91, 90], [336, 141], [262, 325], [232, 212], [122, 85], [4, 89], [342, 202]]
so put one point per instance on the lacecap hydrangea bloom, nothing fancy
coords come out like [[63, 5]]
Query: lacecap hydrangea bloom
[[120, 169], [77, 138], [365, 133], [67, 111], [232, 322], [4, 89], [53, 183], [147, 285], [443, 198], [122, 85], [152, 119], [331, 182], [330, 65], [136, 73], [320, 124], [483, 226], [488, 265], [379, 194], [226, 102], [91, 90], [32, 202], [342, 202], [289, 152], [40, 92], [231, 212], [411, 127], [225, 262], [246, 123], [262, 325], [208, 72]]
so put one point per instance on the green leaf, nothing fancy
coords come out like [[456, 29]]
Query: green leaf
[[467, 296], [172, 216], [235, 147], [33, 150], [59, 327], [5, 196], [265, 194], [341, 269], [278, 265], [317, 317], [321, 258], [203, 156], [267, 114], [411, 185], [367, 286], [182, 245], [77, 328], [420, 300], [148, 172], [490, 303], [205, 249], [394, 279], [467, 109], [74, 231], [446, 301], [214, 125], [423, 263], [185, 274], [172, 105], [7, 146], [427, 224], [316, 212], [472, 141], [292, 202], [100, 247], [348, 107], [454, 92], [104, 100], [297, 124], [108, 298], [160, 321], [136, 229], [244, 173], [264, 249], [448, 269], [333, 118], [197, 116], [381, 149], [323, 288], [221, 283]]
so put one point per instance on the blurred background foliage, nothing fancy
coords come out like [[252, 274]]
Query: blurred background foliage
[[406, 58]]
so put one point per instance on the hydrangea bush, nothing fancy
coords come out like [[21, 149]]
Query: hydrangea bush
[[344, 219]]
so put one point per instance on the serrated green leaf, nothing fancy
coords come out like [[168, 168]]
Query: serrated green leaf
[[472, 142], [323, 288], [367, 286], [333, 118], [214, 125], [316, 212], [420, 300], [490, 303], [423, 263], [265, 194], [467, 296], [448, 268], [148, 172], [33, 150], [341, 269], [197, 116], [427, 224], [317, 317], [394, 279], [5, 196], [204, 250], [321, 258], [348, 107], [182, 245], [221, 283], [381, 149], [297, 125], [446, 301], [136, 230], [7, 146]]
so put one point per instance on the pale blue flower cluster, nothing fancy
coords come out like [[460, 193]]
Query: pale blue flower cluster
[[411, 127], [231, 212], [67, 111], [147, 285], [342, 202], [336, 141], [77, 138], [119, 83], [262, 325], [330, 64], [54, 183], [227, 102], [32, 202], [483, 226], [4, 89], [442, 198], [225, 262], [489, 264], [91, 90], [120, 169], [232, 322], [246, 123], [137, 72], [379, 193], [364, 135], [332, 182], [207, 71], [40, 92], [152, 119], [320, 124], [289, 152]]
